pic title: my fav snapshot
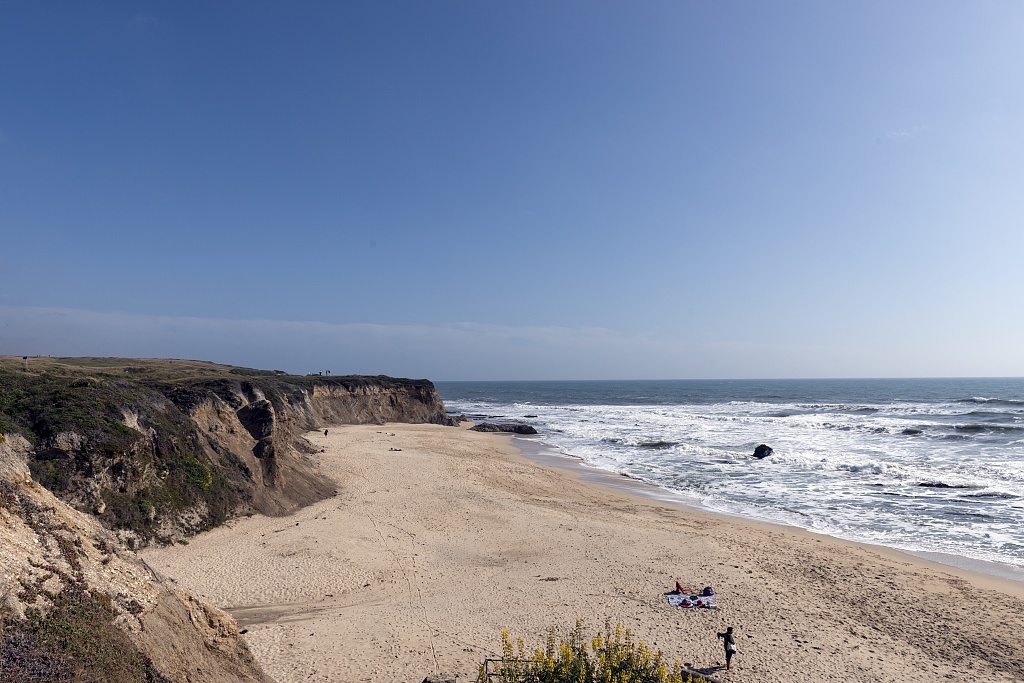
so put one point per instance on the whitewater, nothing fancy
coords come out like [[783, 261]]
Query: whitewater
[[927, 465]]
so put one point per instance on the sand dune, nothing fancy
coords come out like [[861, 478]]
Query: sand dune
[[428, 552]]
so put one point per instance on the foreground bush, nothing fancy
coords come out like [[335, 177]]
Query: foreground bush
[[76, 639], [610, 657]]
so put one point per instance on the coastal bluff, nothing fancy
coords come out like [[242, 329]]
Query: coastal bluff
[[159, 450], [78, 605], [100, 457]]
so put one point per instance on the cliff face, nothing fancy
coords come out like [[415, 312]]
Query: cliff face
[[76, 605], [159, 455], [259, 428], [99, 456]]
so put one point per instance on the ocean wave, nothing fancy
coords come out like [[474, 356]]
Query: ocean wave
[[858, 468], [863, 428], [638, 442], [856, 408], [999, 415], [976, 428], [944, 485], [984, 400], [971, 515], [993, 495]]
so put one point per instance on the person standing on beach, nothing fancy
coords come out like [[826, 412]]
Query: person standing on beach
[[730, 646]]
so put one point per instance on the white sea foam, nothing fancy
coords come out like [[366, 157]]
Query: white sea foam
[[902, 473]]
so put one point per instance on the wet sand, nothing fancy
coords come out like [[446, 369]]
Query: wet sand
[[428, 552]]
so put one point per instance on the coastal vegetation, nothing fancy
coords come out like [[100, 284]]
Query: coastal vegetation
[[68, 631], [85, 451], [612, 656]]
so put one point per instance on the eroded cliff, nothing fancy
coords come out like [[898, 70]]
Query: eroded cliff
[[99, 456], [160, 450], [78, 606]]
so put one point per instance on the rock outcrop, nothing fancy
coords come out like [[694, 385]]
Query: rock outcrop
[[763, 451], [512, 428]]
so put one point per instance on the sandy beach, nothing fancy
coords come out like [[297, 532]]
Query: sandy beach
[[439, 538]]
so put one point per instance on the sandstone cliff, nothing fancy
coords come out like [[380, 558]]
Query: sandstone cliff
[[99, 456], [78, 606], [160, 450]]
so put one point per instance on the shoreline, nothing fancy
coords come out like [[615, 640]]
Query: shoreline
[[547, 454], [440, 538]]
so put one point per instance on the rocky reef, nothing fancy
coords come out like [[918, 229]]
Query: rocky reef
[[510, 428]]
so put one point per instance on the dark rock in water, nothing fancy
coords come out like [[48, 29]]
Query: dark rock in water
[[516, 428], [657, 444], [910, 431], [941, 485], [529, 416], [763, 451]]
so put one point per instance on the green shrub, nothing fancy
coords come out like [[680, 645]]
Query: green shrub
[[614, 656], [198, 473], [75, 640]]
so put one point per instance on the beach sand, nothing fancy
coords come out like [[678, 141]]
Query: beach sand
[[426, 553]]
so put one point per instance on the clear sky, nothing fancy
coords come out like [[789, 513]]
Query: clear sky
[[517, 190]]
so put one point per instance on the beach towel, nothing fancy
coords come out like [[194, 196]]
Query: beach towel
[[691, 600]]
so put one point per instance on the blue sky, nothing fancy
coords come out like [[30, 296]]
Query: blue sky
[[522, 190]]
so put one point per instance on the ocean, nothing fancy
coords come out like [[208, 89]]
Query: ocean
[[921, 465]]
